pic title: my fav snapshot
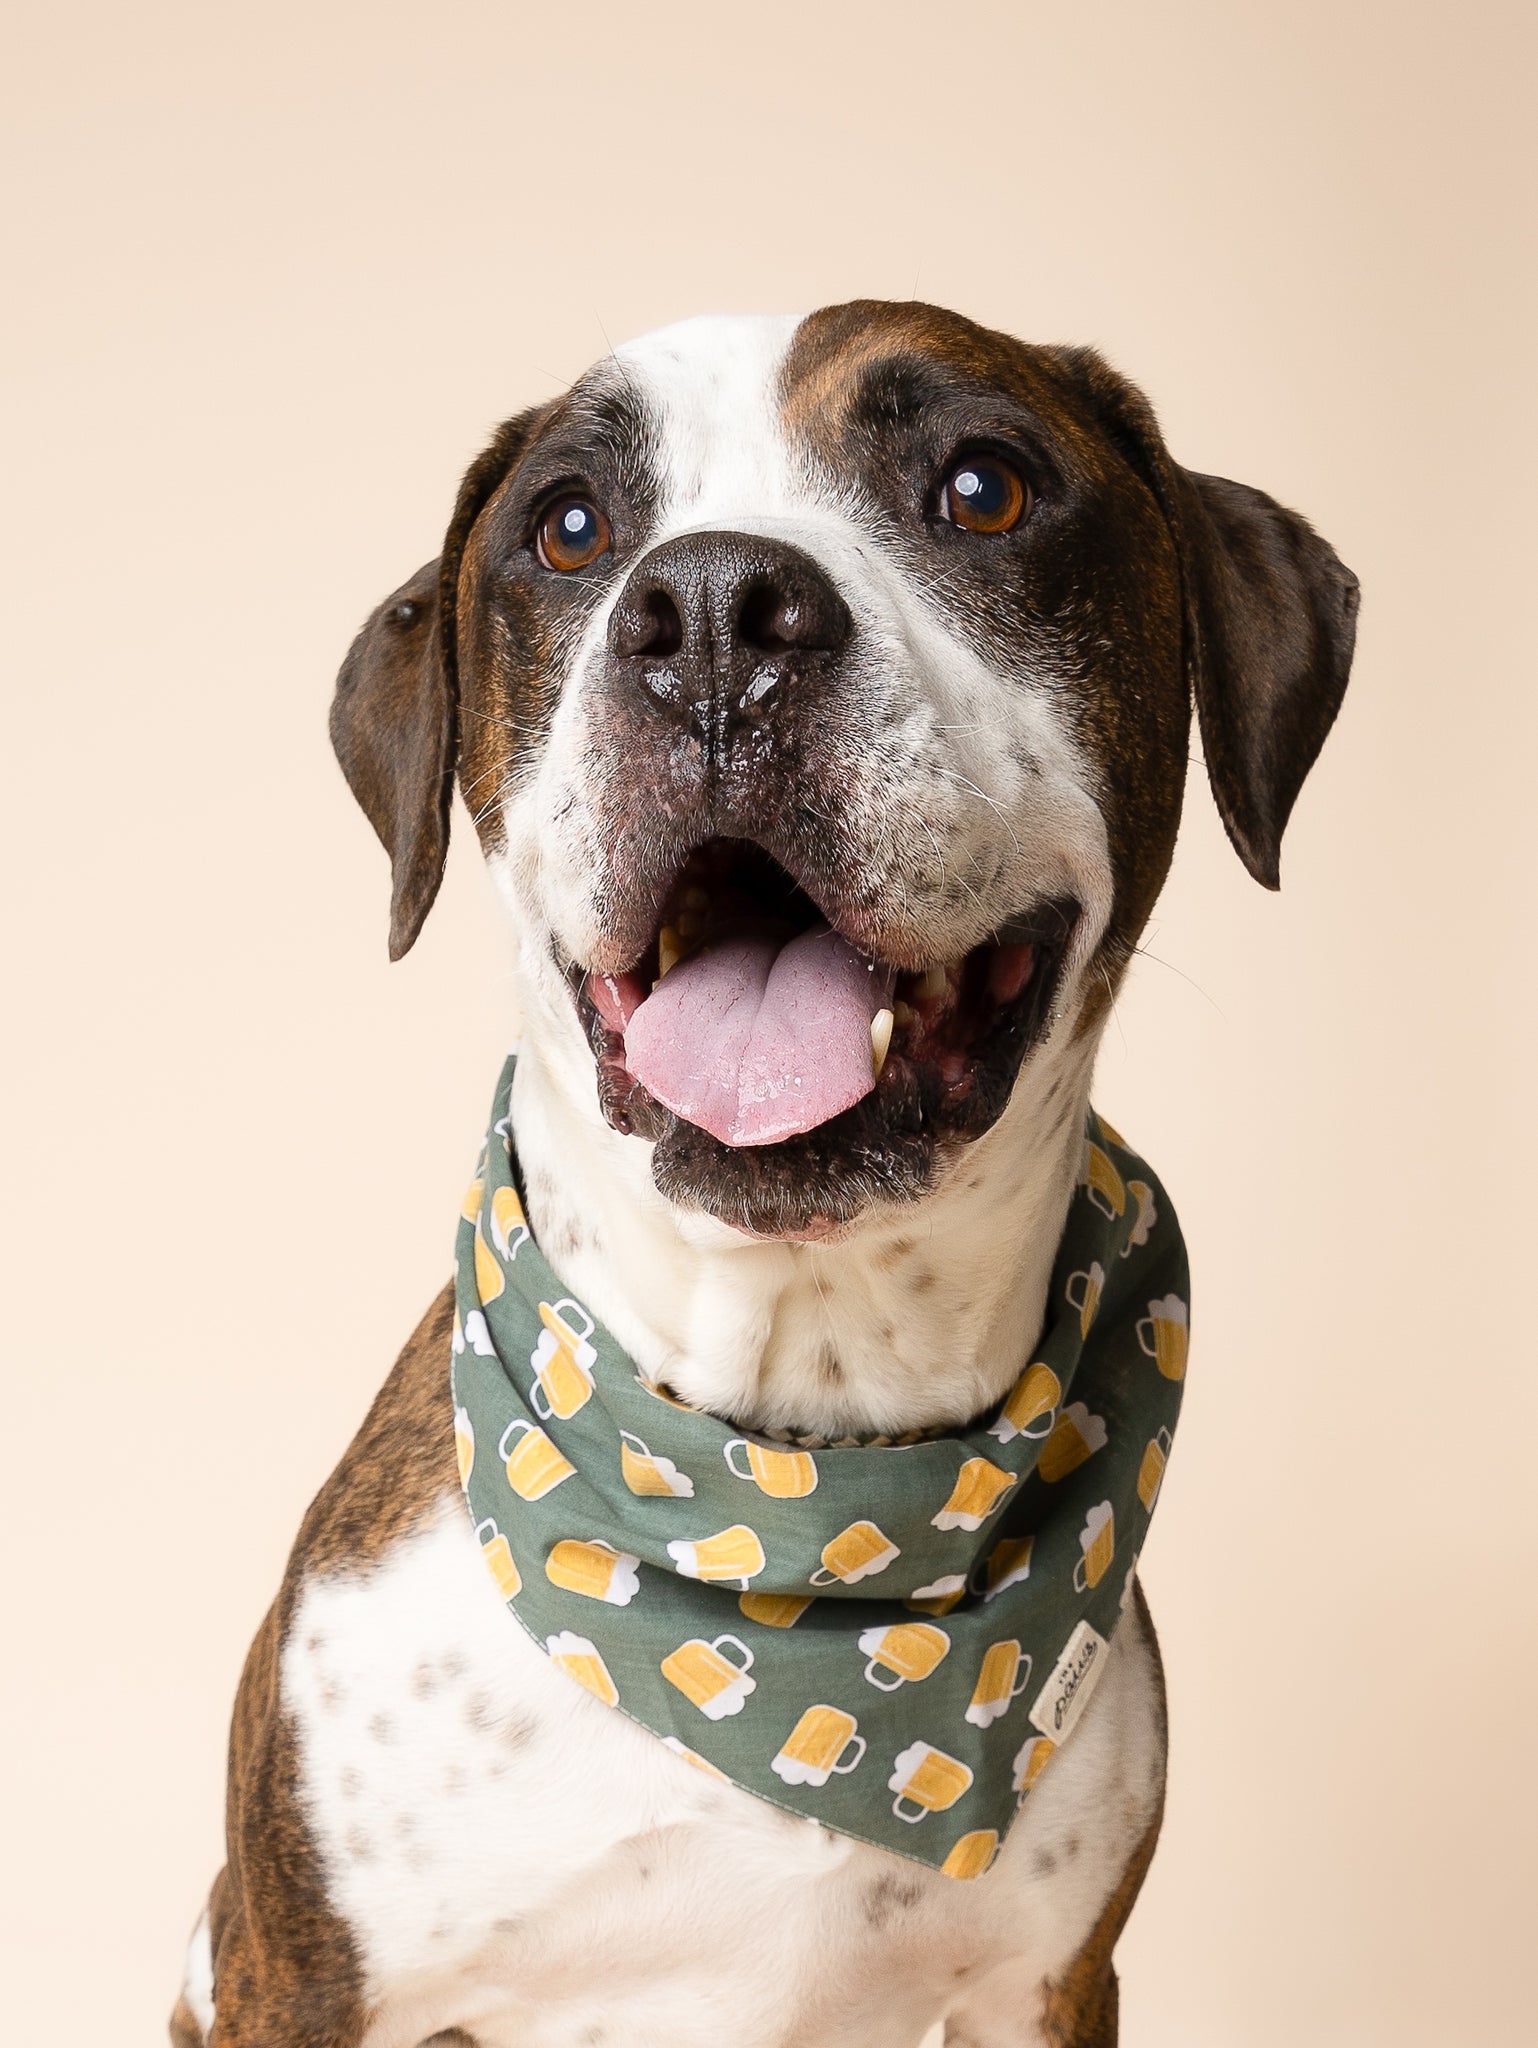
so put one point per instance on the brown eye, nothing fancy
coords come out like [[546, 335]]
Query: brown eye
[[572, 534], [984, 495]]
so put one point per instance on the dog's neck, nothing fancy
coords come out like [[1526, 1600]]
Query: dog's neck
[[922, 1316]]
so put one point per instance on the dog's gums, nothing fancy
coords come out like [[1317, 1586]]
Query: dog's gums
[[787, 1077]]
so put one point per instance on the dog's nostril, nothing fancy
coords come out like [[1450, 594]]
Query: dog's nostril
[[768, 618], [650, 625]]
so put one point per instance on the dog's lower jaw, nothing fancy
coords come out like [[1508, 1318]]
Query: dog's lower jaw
[[910, 1316]]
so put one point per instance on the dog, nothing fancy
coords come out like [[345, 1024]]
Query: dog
[[871, 620]]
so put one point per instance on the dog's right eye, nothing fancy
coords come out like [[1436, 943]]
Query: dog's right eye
[[571, 534]]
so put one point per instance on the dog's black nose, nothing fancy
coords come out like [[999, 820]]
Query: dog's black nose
[[718, 630]]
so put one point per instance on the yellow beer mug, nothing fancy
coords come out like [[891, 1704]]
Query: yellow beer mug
[[470, 1207], [927, 1779], [980, 1486], [855, 1553], [774, 1610], [1097, 1543], [939, 1598], [500, 1561], [596, 1570], [464, 1444], [1147, 1215], [644, 1472], [1006, 1564], [1087, 1300], [563, 1361], [1165, 1342], [1150, 1474], [972, 1854], [489, 1277], [824, 1743], [1078, 1436], [580, 1660], [692, 1757], [1102, 1182], [733, 1553], [1028, 1411], [509, 1225], [1031, 1760], [908, 1649], [787, 1475], [1005, 1674], [534, 1465], [705, 1675]]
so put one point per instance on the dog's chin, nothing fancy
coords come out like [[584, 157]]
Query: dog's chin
[[955, 1053]]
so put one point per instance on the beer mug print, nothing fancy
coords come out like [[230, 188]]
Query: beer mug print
[[1147, 1216], [1006, 1565], [1162, 1334], [464, 1444], [1087, 1299], [644, 1472], [926, 1779], [939, 1598], [856, 1553], [580, 1660], [1101, 1182], [1031, 1760], [824, 1743], [489, 1277], [473, 1332], [980, 1487], [1097, 1545], [972, 1854], [774, 1610], [1078, 1436], [716, 1683], [470, 1207], [500, 1562], [731, 1554], [596, 1570], [1028, 1411], [509, 1226], [563, 1361], [906, 1649], [533, 1464], [1150, 1474], [785, 1475], [661, 1391], [1005, 1674]]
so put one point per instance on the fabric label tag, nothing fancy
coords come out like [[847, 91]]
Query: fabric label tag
[[1066, 1693]]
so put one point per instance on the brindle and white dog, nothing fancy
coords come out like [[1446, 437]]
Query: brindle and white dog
[[873, 618]]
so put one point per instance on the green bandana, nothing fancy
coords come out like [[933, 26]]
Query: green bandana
[[890, 1638]]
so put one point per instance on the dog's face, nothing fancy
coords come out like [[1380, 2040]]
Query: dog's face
[[832, 679]]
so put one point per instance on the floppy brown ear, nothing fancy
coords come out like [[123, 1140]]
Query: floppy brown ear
[[392, 725], [395, 715], [1270, 623]]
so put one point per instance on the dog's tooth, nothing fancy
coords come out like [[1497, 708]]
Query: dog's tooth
[[690, 924], [669, 950], [880, 1039], [902, 1015], [696, 898], [933, 985]]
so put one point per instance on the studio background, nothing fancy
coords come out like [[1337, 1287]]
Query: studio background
[[275, 273]]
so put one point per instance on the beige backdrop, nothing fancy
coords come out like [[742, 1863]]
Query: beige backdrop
[[275, 273]]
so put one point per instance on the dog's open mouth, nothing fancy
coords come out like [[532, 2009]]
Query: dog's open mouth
[[751, 1018]]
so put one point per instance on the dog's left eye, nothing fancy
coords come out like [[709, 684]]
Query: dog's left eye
[[571, 534], [984, 494]]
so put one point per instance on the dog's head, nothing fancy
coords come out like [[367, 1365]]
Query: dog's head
[[833, 678]]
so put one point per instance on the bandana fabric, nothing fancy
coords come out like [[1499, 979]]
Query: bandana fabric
[[889, 1637]]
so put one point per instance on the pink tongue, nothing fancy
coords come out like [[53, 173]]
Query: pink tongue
[[755, 1042]]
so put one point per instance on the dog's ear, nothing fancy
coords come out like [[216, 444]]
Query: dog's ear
[[1270, 623], [395, 715]]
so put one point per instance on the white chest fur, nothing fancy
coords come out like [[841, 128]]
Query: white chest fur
[[514, 1858]]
